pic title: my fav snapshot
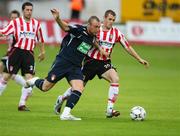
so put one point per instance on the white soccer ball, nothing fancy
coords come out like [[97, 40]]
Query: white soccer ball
[[138, 113]]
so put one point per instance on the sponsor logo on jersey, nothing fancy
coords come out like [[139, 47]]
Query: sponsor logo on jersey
[[27, 34], [105, 44], [111, 36]]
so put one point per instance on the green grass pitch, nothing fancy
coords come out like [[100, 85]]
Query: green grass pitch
[[157, 89]]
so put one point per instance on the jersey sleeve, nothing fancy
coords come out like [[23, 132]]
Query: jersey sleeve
[[9, 29], [122, 39], [40, 37]]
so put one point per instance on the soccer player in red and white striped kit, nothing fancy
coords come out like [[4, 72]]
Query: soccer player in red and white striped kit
[[97, 64], [26, 31], [10, 39]]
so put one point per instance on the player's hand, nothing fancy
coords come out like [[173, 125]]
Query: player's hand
[[1, 35], [103, 52], [55, 13], [41, 56], [144, 62]]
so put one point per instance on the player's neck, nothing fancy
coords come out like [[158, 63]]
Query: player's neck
[[105, 28], [88, 31], [27, 19]]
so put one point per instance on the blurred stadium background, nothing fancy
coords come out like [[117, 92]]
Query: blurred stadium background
[[153, 23], [143, 21]]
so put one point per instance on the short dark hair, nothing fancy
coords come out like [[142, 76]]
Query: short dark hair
[[14, 12], [93, 18], [26, 4], [109, 12]]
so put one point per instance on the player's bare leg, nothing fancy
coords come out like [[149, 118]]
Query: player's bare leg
[[25, 93], [1, 69], [61, 98], [112, 76], [77, 88]]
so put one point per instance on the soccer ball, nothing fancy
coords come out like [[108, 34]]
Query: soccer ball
[[138, 113]]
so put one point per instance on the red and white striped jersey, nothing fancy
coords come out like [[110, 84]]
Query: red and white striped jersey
[[26, 33], [107, 40]]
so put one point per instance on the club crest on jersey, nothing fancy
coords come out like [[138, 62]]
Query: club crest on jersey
[[53, 77], [110, 36]]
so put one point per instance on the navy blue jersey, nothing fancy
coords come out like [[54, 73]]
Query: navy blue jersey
[[76, 44]]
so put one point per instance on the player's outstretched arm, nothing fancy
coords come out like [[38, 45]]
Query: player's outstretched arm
[[132, 52], [64, 26], [41, 55]]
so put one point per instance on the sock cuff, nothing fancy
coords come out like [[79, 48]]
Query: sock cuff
[[112, 100], [77, 93], [39, 83], [114, 84]]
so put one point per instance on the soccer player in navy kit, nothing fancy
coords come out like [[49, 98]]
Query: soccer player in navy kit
[[97, 64], [76, 44]]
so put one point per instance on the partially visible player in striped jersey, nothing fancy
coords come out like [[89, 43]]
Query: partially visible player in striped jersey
[[13, 15], [10, 39], [97, 64], [26, 31]]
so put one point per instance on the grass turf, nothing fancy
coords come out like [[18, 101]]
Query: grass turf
[[156, 89]]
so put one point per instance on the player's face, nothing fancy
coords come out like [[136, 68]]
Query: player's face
[[108, 21], [13, 16], [27, 12], [94, 27]]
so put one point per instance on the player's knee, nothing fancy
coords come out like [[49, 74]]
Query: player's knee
[[82, 89], [79, 88], [6, 77], [115, 79], [46, 86]]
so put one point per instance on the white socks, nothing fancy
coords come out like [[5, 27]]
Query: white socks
[[66, 111], [25, 93], [19, 79], [3, 85], [67, 93], [112, 96]]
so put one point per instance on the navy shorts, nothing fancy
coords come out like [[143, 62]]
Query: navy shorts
[[63, 68]]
